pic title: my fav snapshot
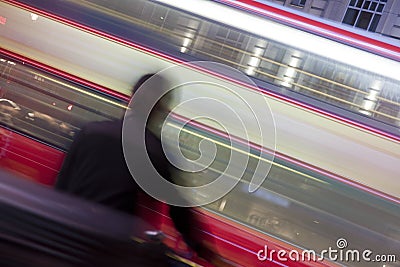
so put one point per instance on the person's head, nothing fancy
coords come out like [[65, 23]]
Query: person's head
[[154, 85], [141, 81], [151, 86]]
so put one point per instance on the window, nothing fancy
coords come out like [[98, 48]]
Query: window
[[374, 23], [49, 108], [364, 20], [299, 3], [364, 14], [350, 17]]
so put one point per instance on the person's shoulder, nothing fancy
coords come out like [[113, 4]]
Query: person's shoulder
[[151, 138], [103, 128]]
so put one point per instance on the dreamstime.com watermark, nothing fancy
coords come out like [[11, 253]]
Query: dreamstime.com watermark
[[339, 253]]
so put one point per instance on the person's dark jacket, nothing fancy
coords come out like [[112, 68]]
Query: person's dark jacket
[[95, 169]]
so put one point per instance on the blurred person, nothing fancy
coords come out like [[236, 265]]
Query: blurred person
[[95, 169]]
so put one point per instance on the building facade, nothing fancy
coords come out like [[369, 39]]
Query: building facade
[[380, 16]]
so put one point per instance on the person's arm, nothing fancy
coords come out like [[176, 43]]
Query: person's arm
[[63, 178], [186, 221], [189, 225]]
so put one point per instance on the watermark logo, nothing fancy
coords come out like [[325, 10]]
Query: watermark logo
[[340, 254], [341, 243], [235, 110]]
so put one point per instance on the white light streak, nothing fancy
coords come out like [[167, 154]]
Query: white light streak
[[287, 35]]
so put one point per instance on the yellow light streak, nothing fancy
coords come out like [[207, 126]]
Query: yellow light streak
[[82, 91], [245, 153]]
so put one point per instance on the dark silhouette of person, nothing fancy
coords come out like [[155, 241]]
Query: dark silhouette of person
[[95, 169]]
